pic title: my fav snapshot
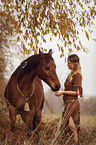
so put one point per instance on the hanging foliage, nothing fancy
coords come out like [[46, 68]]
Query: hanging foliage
[[32, 20]]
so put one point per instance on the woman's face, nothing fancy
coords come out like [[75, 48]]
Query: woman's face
[[70, 65]]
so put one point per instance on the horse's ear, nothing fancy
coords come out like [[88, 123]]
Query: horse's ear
[[41, 53], [50, 52]]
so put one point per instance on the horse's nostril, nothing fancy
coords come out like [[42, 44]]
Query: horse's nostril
[[57, 87]]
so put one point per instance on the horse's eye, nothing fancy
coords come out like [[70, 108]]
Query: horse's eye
[[47, 68]]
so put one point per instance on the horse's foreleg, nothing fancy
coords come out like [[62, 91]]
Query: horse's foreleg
[[29, 121], [12, 114], [37, 119], [28, 118]]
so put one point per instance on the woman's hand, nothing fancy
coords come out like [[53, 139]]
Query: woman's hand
[[59, 93]]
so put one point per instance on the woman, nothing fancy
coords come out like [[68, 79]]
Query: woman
[[73, 88]]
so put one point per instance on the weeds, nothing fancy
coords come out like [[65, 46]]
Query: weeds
[[48, 135]]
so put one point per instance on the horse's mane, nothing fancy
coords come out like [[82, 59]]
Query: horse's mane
[[29, 64]]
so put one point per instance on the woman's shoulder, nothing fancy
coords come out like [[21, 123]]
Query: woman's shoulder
[[77, 75]]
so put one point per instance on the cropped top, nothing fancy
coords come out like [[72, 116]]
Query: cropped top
[[72, 84]]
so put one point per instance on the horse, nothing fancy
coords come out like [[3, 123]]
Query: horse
[[25, 88]]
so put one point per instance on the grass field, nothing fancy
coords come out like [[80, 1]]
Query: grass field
[[49, 132]]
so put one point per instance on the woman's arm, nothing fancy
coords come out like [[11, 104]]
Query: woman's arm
[[59, 93]]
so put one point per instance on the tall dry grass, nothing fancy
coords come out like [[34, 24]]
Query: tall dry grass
[[49, 133]]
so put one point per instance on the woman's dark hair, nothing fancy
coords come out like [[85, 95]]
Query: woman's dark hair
[[73, 58]]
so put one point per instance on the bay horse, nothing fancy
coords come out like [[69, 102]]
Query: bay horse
[[25, 87]]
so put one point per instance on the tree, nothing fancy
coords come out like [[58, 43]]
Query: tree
[[33, 19]]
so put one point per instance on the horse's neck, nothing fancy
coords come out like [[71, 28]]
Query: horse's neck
[[28, 75], [27, 80]]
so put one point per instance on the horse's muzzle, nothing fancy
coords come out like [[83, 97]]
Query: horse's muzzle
[[57, 87]]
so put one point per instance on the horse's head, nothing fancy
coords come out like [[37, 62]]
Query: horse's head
[[46, 70]]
